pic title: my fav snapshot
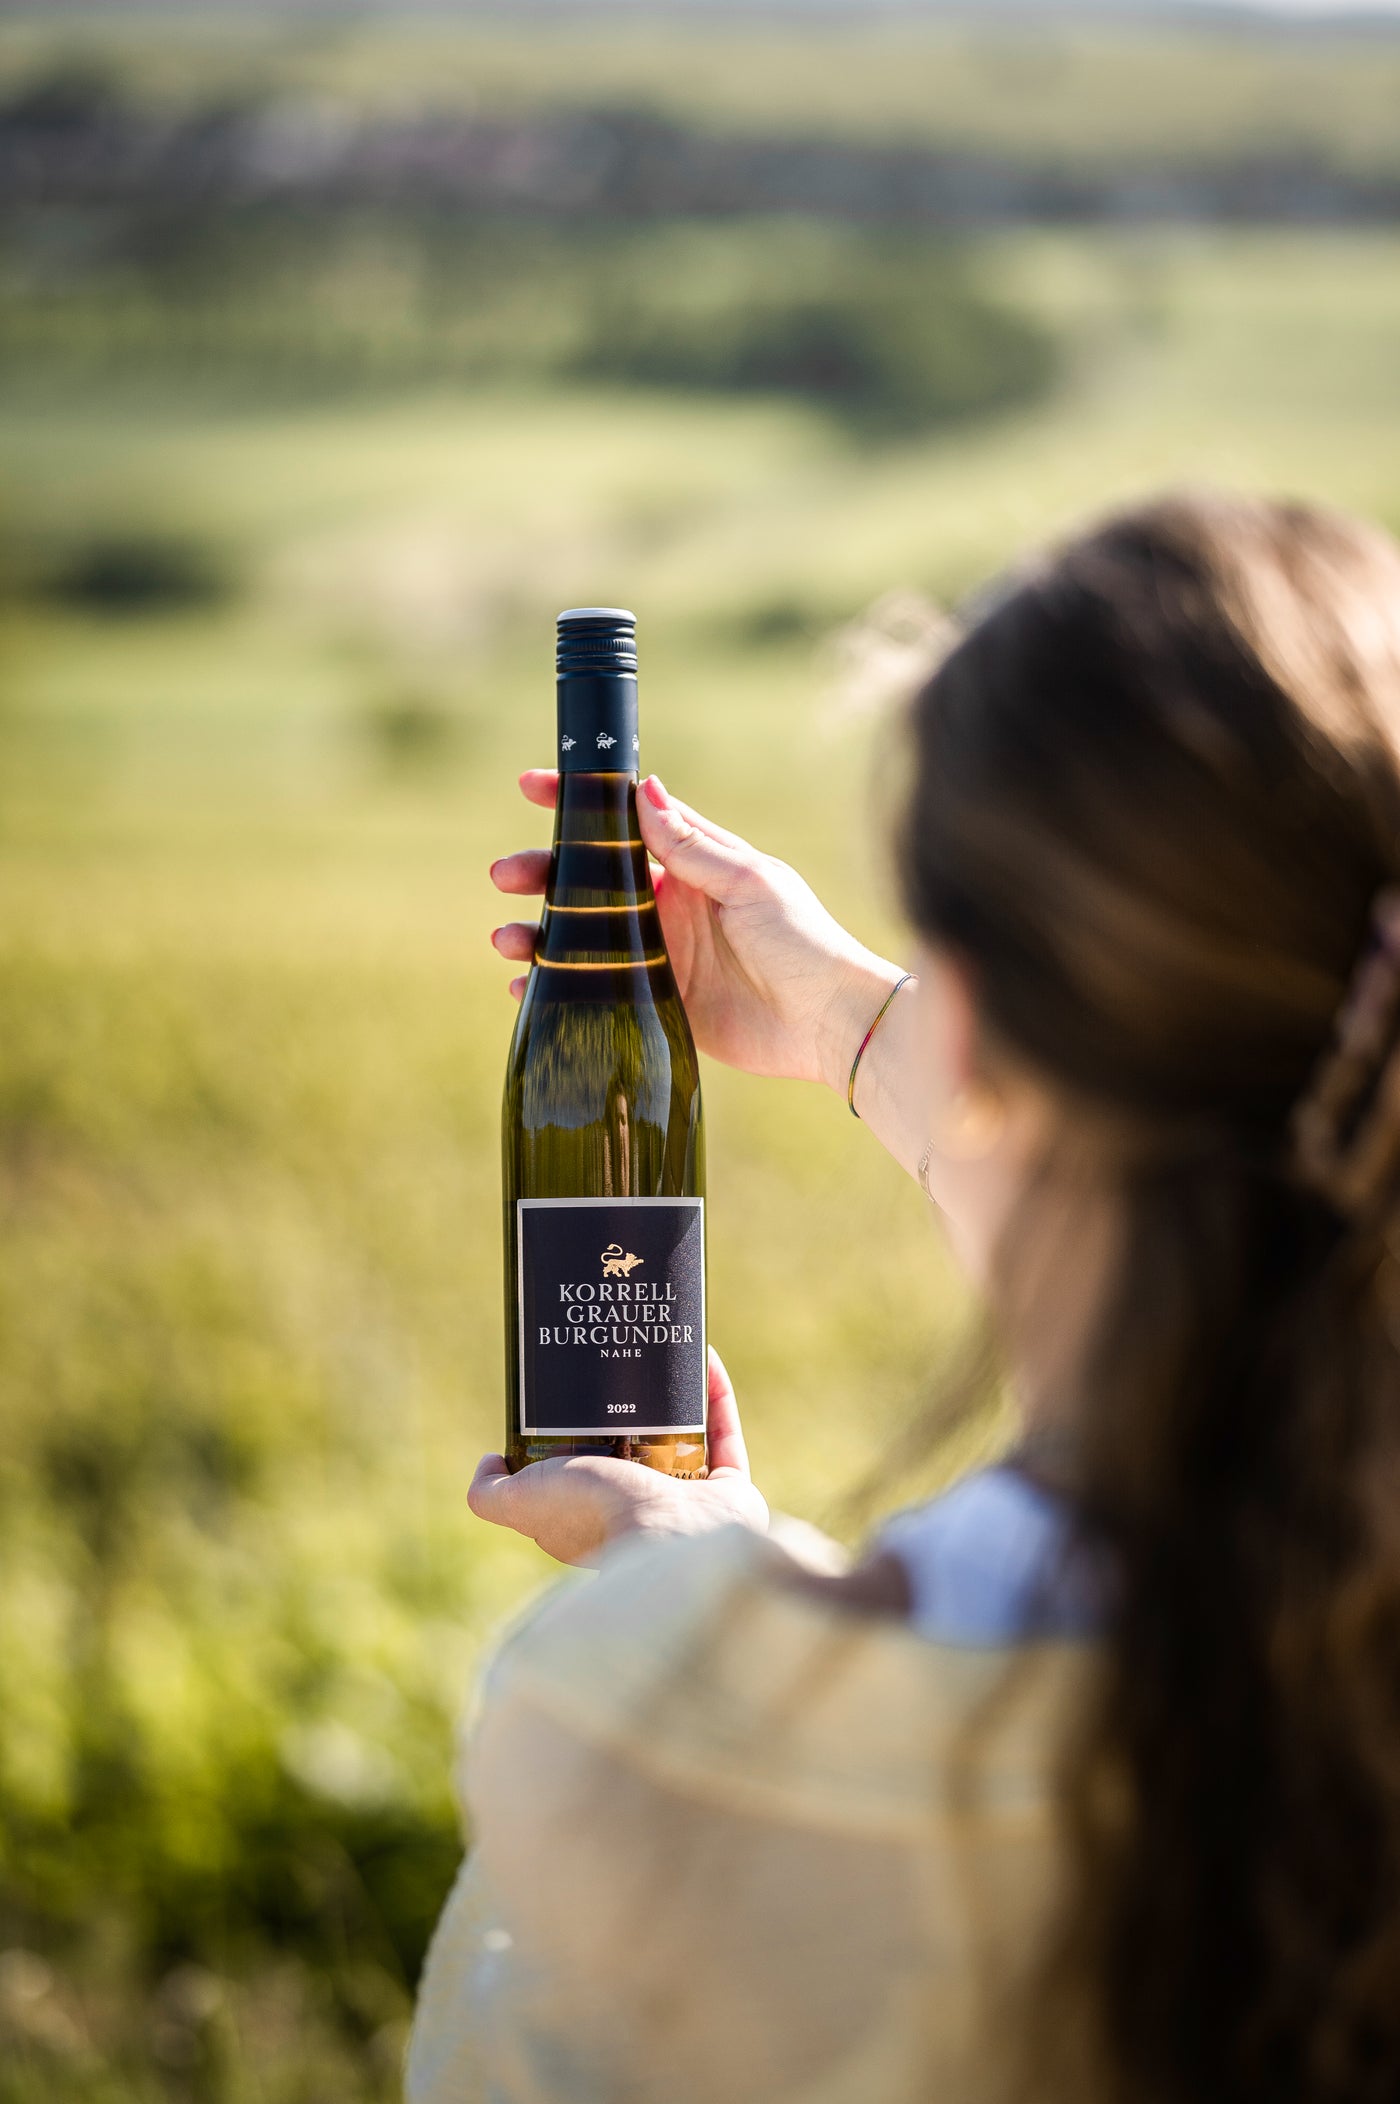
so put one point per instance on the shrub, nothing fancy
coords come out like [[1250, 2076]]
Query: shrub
[[887, 342], [119, 574]]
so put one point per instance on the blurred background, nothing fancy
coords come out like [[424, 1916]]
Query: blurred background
[[338, 351]]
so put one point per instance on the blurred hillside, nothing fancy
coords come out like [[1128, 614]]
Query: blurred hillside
[[1063, 92], [329, 377]]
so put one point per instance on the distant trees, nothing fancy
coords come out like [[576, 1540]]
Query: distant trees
[[889, 339]]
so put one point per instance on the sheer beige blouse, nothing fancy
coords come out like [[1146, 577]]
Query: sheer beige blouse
[[730, 1842]]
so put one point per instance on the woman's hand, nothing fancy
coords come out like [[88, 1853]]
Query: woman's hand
[[770, 981], [573, 1507]]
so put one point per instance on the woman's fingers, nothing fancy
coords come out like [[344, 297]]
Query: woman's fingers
[[683, 850], [708, 827], [523, 875], [725, 1435], [571, 1506], [677, 836], [540, 785], [516, 940], [489, 1492], [520, 1501]]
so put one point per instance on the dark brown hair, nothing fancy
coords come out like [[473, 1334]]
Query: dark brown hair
[[1157, 796]]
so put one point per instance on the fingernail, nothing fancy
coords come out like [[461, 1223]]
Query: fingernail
[[656, 794], [495, 932], [494, 866]]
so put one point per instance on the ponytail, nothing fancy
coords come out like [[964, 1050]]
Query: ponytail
[[1156, 810], [1235, 1799]]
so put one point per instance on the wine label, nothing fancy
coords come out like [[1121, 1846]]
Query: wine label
[[611, 1294]]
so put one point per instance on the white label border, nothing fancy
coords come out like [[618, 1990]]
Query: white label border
[[624, 1431]]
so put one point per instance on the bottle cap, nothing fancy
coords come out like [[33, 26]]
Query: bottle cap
[[597, 639]]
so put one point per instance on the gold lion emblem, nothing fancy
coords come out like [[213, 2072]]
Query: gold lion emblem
[[615, 1264]]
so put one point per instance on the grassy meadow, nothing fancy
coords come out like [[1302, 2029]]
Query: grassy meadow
[[269, 662]]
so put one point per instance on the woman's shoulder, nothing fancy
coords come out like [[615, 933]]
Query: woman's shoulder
[[996, 1560], [706, 1660]]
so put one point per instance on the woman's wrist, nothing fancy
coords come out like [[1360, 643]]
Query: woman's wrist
[[865, 986]]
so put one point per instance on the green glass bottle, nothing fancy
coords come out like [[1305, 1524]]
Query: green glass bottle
[[603, 1145]]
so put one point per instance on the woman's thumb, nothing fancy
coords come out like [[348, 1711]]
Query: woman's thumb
[[683, 849]]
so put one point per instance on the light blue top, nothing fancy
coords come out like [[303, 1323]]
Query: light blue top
[[995, 1561]]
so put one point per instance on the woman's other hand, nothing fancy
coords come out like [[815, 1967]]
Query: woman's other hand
[[770, 981], [573, 1507]]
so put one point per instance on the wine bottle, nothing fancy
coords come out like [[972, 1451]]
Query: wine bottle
[[603, 1146]]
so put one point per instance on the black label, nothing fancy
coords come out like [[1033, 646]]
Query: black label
[[612, 1315]]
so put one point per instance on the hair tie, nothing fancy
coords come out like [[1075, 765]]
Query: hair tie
[[1346, 1127]]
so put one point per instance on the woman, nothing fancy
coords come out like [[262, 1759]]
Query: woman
[[1085, 1783]]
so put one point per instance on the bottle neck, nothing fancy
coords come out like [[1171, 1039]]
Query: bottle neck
[[597, 722], [600, 925], [595, 808]]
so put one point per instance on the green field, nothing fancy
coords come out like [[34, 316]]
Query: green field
[[252, 1043]]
